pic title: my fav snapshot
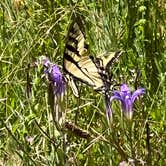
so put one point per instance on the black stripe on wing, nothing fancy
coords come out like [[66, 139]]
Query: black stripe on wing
[[72, 49]]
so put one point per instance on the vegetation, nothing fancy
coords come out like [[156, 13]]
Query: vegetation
[[29, 132]]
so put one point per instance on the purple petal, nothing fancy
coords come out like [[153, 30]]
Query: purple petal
[[137, 93], [128, 107], [125, 91], [129, 104], [56, 77], [55, 74], [124, 88], [117, 93], [58, 80], [116, 97]]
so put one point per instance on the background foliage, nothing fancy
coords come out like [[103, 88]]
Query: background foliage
[[29, 135]]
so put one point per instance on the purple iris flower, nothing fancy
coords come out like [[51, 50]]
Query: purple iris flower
[[55, 76], [127, 99]]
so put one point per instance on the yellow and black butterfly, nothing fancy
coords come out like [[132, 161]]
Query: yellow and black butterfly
[[92, 71]]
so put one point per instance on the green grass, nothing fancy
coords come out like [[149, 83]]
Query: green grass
[[35, 28]]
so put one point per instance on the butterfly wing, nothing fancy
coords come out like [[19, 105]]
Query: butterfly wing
[[106, 60], [77, 62]]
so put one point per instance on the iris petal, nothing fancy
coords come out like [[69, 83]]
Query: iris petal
[[129, 108], [58, 80], [137, 93], [124, 89], [115, 98], [117, 93]]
